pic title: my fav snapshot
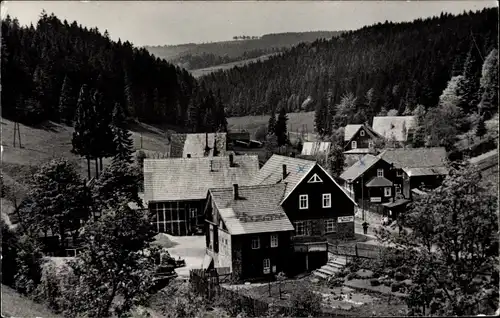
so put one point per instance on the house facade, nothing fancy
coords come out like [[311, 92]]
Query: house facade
[[175, 189], [359, 137], [293, 201]]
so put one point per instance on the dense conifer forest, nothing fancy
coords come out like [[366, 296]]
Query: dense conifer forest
[[385, 66], [49, 68]]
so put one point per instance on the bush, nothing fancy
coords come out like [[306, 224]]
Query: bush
[[49, 290], [352, 276], [399, 276], [374, 282], [305, 302], [396, 286], [335, 282], [386, 282], [261, 133]]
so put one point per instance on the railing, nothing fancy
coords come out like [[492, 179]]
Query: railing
[[357, 250]]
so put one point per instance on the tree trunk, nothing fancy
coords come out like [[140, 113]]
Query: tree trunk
[[88, 168], [100, 164], [96, 169]]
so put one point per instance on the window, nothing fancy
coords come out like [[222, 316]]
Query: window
[[266, 264], [354, 145], [300, 228], [255, 243], [193, 212], [330, 226], [387, 191], [399, 173], [398, 189], [315, 179], [274, 240], [380, 172], [327, 200], [370, 144], [362, 133], [171, 217], [303, 201]]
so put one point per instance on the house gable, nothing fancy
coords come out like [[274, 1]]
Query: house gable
[[362, 137], [315, 179]]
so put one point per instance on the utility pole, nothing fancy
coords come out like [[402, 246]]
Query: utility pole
[[18, 130]]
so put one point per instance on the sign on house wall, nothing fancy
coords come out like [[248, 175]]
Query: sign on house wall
[[376, 199], [345, 219]]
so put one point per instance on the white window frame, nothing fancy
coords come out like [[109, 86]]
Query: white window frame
[[306, 200], [274, 240], [327, 196], [362, 133], [370, 144], [315, 179], [354, 145], [387, 192], [398, 189], [255, 243], [330, 226], [380, 172], [266, 263], [296, 227]]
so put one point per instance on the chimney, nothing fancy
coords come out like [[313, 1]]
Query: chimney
[[206, 141], [235, 191], [284, 172], [211, 165], [231, 160], [188, 155]]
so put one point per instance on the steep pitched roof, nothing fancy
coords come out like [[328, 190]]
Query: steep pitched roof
[[360, 167], [272, 171], [415, 157], [392, 126], [176, 179], [194, 144], [313, 148], [379, 182], [257, 209], [350, 131]]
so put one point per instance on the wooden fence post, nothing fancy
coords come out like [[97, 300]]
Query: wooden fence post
[[356, 249]]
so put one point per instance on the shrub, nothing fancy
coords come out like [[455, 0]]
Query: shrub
[[49, 289], [352, 276], [374, 282], [399, 276], [335, 282], [386, 282], [396, 286], [376, 274], [261, 133], [305, 302]]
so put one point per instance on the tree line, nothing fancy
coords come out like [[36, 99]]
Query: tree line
[[384, 66], [54, 60]]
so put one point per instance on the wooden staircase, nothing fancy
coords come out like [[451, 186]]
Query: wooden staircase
[[334, 265]]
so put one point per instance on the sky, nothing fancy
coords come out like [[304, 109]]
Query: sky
[[177, 22]]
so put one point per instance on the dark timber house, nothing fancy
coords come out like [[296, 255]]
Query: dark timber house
[[175, 189], [316, 205]]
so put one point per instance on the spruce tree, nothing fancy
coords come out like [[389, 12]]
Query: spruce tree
[[281, 128], [481, 128], [271, 124], [82, 135], [489, 85], [67, 102], [124, 145], [469, 86], [320, 117]]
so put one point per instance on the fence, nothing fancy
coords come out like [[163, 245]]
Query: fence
[[208, 285], [358, 250]]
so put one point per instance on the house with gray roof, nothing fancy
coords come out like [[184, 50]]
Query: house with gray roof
[[359, 137], [175, 189], [422, 168], [198, 145], [488, 165], [394, 128], [314, 203]]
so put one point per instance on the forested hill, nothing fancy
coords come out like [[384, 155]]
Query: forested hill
[[195, 56], [44, 68], [390, 65]]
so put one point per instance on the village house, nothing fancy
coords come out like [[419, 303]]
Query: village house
[[197, 145], [175, 189], [312, 201], [248, 232], [394, 129], [313, 149], [359, 140], [416, 168], [370, 181]]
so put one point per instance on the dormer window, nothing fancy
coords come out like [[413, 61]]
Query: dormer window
[[380, 172], [362, 133]]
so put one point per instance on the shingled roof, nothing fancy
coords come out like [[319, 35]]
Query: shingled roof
[[178, 179], [195, 145], [256, 210], [391, 127], [359, 168], [415, 157], [351, 130], [272, 171]]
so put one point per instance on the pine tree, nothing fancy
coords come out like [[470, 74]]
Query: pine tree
[[82, 135], [320, 117], [67, 102], [123, 142], [469, 86], [129, 97], [220, 115], [271, 124], [481, 128], [102, 144], [489, 85], [281, 128]]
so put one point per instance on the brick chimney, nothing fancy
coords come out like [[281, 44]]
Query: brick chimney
[[284, 172], [235, 191], [188, 155], [231, 160]]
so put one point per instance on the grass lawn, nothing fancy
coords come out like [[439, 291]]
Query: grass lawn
[[16, 305]]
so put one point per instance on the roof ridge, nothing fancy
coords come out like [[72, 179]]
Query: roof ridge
[[255, 186]]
